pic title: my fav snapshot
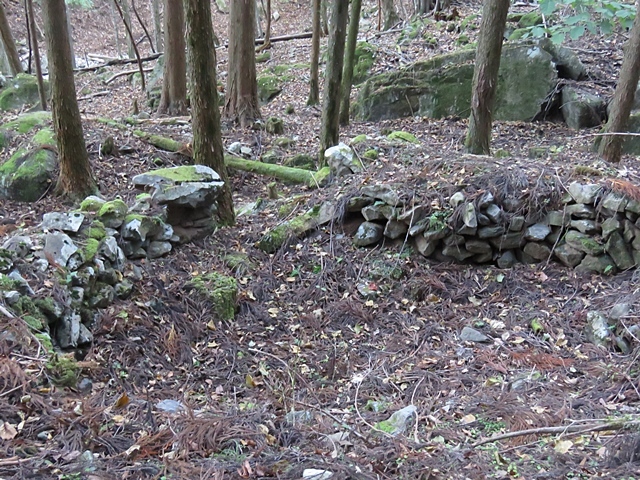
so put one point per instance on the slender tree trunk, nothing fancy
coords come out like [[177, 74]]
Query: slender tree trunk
[[143, 26], [610, 148], [173, 100], [324, 15], [71, 44], [116, 29], [485, 75], [126, 17], [241, 103], [349, 61], [75, 180], [267, 28], [205, 114], [314, 82], [330, 130], [389, 14], [36, 54], [9, 44], [157, 24]]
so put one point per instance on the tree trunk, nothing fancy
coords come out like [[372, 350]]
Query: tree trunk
[[267, 28], [314, 82], [241, 103], [324, 15], [75, 180], [126, 17], [485, 75], [330, 130], [349, 61], [173, 100], [205, 114], [71, 46], [9, 43], [610, 148], [389, 14], [157, 24], [36, 54]]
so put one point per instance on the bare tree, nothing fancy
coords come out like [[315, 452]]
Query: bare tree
[[75, 180], [349, 61], [205, 115], [610, 148], [157, 24], [485, 75], [389, 14], [330, 130], [9, 44], [173, 100], [31, 20], [314, 82], [241, 103]]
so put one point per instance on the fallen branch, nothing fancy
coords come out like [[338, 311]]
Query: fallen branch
[[569, 429], [93, 95], [119, 61], [284, 38], [126, 72]]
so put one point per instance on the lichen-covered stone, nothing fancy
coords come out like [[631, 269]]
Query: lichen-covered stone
[[617, 248], [368, 233], [113, 213], [583, 242], [27, 175], [221, 290]]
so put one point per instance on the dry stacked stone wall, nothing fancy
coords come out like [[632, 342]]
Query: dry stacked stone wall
[[593, 228]]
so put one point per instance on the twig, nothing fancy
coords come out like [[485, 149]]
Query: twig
[[97, 94], [573, 429], [126, 72], [118, 61], [133, 44]]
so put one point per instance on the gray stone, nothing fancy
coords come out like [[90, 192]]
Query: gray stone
[[68, 330], [494, 213], [85, 337], [609, 226], [483, 220], [192, 186], [110, 250], [20, 245], [456, 199], [27, 176], [457, 252], [399, 422], [11, 297], [615, 202], [507, 260], [516, 223], [580, 210], [616, 247], [356, 204], [59, 247], [464, 230], [158, 249], [341, 160], [433, 235], [630, 231], [507, 241], [490, 232], [413, 215], [633, 206], [568, 255], [485, 200], [368, 233], [469, 216], [112, 213], [483, 257], [123, 289], [566, 60], [165, 234], [537, 232], [583, 242], [395, 229], [597, 329], [22, 284], [586, 194], [441, 86], [601, 264], [581, 109], [477, 246], [537, 251], [469, 334], [619, 311], [386, 193], [454, 240], [558, 218], [378, 211], [424, 246], [103, 297], [68, 222], [140, 227], [585, 226]]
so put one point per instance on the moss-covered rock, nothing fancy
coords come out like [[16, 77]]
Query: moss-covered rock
[[92, 204], [44, 137], [113, 213], [28, 121], [275, 126], [364, 57], [371, 154], [21, 91], [530, 19], [302, 160], [63, 370], [263, 57], [96, 230], [276, 237], [27, 175], [221, 290], [403, 137], [441, 86], [269, 87]]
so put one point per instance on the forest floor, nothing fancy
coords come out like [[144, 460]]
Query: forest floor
[[307, 367]]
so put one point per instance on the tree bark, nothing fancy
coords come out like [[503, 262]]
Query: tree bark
[[205, 114], [324, 15], [610, 148], [349, 61], [330, 130], [36, 54], [126, 18], [314, 82], [9, 44], [241, 103], [173, 100], [75, 180], [389, 14], [485, 75], [266, 43]]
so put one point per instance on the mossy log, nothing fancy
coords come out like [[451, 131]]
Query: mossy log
[[296, 227]]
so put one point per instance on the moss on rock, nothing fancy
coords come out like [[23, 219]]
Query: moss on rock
[[28, 121], [63, 370], [221, 290], [27, 175]]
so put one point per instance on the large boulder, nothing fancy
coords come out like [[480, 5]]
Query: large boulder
[[441, 86], [580, 108], [28, 174], [20, 91]]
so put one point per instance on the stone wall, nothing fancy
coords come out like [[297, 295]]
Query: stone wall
[[593, 228]]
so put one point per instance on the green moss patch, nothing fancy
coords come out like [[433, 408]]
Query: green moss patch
[[221, 290]]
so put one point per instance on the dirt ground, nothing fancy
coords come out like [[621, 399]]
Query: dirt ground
[[308, 367]]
